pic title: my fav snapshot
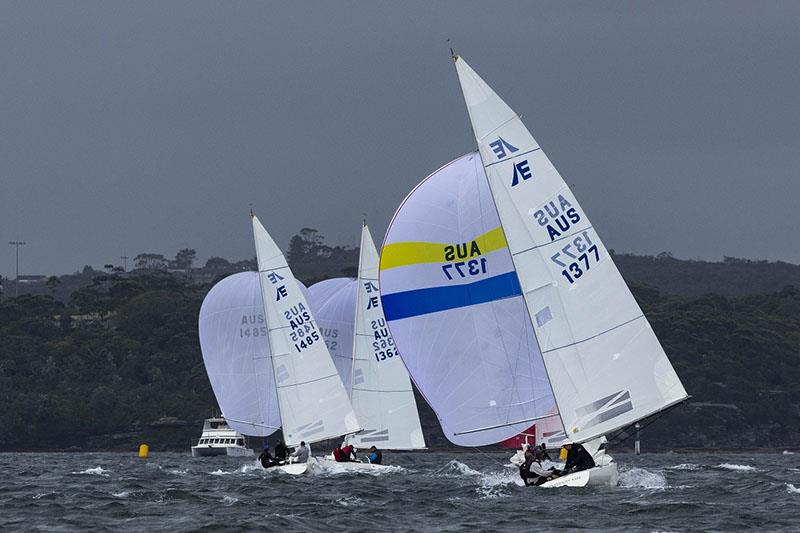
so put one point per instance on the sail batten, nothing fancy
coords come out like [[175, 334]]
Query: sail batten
[[605, 364]]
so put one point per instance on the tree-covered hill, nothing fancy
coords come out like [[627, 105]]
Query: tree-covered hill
[[731, 277], [117, 360]]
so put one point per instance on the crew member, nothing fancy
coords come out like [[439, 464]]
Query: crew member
[[532, 472], [266, 458], [349, 452], [375, 457], [577, 458], [545, 455], [281, 451], [301, 454]]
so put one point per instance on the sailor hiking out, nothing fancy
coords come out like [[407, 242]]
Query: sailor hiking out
[[577, 458], [375, 456], [267, 459], [300, 455]]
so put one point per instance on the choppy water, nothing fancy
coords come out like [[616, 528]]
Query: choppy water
[[427, 491]]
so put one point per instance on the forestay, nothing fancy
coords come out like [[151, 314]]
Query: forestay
[[233, 340], [605, 364], [455, 309], [313, 402]]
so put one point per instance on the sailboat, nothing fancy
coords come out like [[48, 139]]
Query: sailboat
[[351, 319], [604, 367], [312, 401]]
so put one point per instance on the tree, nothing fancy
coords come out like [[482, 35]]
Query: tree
[[184, 259], [148, 261], [52, 283], [217, 263]]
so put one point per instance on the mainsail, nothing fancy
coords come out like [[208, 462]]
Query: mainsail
[[604, 362], [313, 402], [455, 309], [233, 340], [380, 388]]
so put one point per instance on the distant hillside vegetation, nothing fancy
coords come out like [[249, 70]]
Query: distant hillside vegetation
[[116, 360], [731, 277]]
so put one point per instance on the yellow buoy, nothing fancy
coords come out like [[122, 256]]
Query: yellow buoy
[[562, 456], [144, 449]]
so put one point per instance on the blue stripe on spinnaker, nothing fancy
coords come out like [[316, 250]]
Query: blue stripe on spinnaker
[[431, 300]]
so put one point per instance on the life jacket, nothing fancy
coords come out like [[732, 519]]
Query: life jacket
[[338, 455], [346, 451]]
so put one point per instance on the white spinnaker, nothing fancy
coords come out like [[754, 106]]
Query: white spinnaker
[[233, 340], [313, 402], [333, 302], [604, 362], [381, 389], [453, 304]]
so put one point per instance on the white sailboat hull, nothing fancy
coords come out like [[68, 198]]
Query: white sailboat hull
[[294, 469], [598, 476], [353, 466]]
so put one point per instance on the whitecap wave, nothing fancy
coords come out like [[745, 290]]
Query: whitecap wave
[[791, 489], [350, 501], [642, 479], [685, 466], [737, 468], [787, 452], [493, 484], [458, 468], [326, 467], [220, 472], [229, 500], [177, 472], [123, 494], [97, 471]]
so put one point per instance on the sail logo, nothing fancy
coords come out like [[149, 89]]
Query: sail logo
[[502, 148], [521, 170], [605, 409]]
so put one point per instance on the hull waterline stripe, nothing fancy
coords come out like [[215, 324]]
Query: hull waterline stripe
[[418, 302]]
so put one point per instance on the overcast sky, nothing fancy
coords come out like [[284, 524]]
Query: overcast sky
[[128, 127]]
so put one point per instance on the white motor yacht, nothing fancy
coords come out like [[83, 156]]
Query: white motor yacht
[[219, 439]]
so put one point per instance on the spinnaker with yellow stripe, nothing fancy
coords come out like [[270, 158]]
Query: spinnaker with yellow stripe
[[456, 312]]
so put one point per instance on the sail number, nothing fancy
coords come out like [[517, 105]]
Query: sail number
[[582, 251], [473, 267], [382, 343], [306, 342], [303, 336]]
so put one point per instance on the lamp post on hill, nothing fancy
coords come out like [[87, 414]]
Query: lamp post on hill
[[16, 280]]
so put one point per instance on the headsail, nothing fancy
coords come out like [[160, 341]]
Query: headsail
[[455, 309], [313, 402], [605, 364], [381, 390], [379, 385], [233, 339]]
